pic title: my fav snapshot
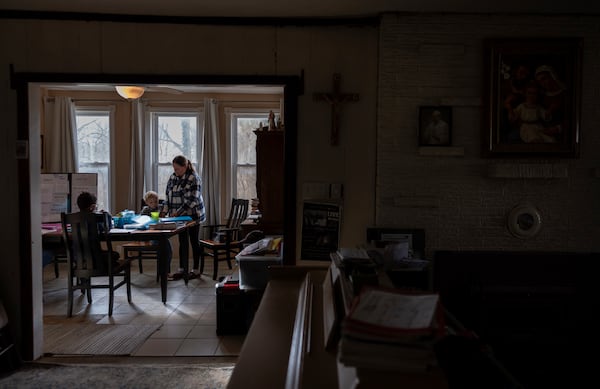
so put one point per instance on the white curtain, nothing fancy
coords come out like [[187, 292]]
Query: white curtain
[[210, 164], [61, 136], [137, 173]]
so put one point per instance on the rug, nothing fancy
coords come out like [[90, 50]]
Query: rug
[[142, 376], [95, 339]]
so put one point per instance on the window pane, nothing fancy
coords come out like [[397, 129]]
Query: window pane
[[245, 169], [164, 172], [246, 182], [93, 150], [246, 140], [177, 135], [93, 138]]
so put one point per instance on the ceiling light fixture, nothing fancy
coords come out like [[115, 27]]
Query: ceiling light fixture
[[130, 92]]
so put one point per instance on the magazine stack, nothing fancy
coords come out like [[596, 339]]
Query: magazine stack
[[389, 329]]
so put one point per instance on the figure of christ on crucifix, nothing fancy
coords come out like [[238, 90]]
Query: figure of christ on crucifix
[[335, 99]]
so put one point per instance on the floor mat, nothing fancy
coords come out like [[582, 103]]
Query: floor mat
[[95, 339], [195, 376]]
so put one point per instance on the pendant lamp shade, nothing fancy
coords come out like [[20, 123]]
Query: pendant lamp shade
[[130, 91]]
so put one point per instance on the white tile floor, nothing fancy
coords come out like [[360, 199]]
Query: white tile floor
[[188, 319]]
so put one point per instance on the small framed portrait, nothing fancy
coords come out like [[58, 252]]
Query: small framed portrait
[[435, 126], [533, 97]]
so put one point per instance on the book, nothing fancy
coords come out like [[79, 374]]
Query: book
[[392, 315], [175, 219], [391, 329], [386, 356], [139, 222], [349, 346], [163, 226], [374, 362]]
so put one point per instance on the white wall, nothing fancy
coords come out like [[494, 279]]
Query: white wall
[[438, 60]]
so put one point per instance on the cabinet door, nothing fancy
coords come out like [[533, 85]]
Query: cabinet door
[[269, 179]]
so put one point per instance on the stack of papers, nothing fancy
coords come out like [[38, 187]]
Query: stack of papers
[[140, 222], [387, 329]]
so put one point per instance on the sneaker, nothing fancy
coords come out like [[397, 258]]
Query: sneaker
[[192, 275], [175, 276]]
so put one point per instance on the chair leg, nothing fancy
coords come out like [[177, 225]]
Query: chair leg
[[55, 266], [128, 283], [228, 257], [216, 263], [88, 283], [70, 297], [111, 294]]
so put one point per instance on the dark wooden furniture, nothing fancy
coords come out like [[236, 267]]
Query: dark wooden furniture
[[225, 238], [162, 236], [535, 309], [87, 261], [270, 180]]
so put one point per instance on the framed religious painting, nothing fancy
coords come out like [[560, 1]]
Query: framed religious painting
[[532, 105]]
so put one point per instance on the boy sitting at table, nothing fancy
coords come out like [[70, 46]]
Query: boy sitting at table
[[86, 202], [152, 205]]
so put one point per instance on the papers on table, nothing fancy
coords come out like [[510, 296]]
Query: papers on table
[[120, 231], [140, 222]]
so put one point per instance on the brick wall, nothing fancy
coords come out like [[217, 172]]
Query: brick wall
[[458, 196]]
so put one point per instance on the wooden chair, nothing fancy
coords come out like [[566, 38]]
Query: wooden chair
[[59, 257], [83, 234], [225, 241]]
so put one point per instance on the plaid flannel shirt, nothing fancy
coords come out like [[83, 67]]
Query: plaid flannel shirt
[[184, 196]]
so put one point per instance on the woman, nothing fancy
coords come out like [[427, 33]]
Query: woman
[[184, 198]]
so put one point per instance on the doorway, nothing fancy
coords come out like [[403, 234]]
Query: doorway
[[28, 98]]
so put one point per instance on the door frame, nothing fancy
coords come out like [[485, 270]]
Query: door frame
[[28, 183]]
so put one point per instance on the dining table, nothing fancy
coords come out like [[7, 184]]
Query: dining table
[[52, 235]]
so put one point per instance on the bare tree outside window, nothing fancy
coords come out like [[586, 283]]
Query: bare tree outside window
[[93, 149], [177, 135], [244, 166]]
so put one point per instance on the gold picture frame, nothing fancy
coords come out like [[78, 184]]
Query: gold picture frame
[[533, 97]]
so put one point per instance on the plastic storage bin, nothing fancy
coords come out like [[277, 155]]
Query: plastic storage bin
[[254, 269]]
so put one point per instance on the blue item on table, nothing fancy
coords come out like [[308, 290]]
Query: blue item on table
[[117, 222], [127, 216]]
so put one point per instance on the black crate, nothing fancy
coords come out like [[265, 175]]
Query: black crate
[[235, 307], [231, 315]]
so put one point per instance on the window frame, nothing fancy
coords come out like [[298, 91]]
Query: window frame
[[152, 113], [84, 108], [231, 116]]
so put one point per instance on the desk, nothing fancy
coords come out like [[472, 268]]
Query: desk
[[123, 235]]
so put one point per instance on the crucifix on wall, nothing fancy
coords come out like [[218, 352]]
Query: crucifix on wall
[[335, 99]]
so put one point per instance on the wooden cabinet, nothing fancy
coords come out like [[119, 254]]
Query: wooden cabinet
[[269, 180]]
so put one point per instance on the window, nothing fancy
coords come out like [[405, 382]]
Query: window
[[174, 133], [94, 128], [243, 123]]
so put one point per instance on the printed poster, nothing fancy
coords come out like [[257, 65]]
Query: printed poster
[[320, 230]]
